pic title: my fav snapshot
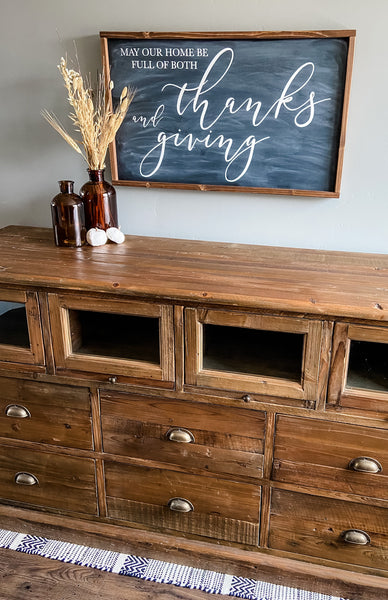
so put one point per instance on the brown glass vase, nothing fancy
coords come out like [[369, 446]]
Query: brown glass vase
[[67, 212], [99, 198]]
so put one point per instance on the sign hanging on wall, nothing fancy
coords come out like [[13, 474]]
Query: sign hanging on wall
[[256, 111]]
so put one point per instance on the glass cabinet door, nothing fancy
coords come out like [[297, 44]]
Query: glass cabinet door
[[20, 328], [113, 337], [249, 353], [359, 369]]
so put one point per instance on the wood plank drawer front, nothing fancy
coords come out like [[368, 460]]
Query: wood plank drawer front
[[220, 509], [322, 454], [218, 440], [316, 526], [45, 413], [48, 480]]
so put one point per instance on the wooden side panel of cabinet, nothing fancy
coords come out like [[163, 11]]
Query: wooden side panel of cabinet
[[339, 362]]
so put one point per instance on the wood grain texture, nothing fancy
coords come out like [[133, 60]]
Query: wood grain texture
[[312, 526], [59, 415], [208, 495], [46, 333], [318, 453], [274, 379], [276, 569], [226, 35], [315, 282], [225, 440], [221, 509], [63, 482], [68, 341], [362, 391], [240, 457], [33, 577], [33, 352]]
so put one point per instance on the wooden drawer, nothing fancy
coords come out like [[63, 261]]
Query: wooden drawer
[[113, 339], [48, 480], [324, 454], [212, 438], [46, 413], [255, 354], [316, 526], [221, 509]]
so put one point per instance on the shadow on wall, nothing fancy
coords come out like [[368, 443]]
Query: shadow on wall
[[26, 138], [32, 155]]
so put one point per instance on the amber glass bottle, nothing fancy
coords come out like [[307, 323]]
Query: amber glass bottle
[[67, 211], [99, 198]]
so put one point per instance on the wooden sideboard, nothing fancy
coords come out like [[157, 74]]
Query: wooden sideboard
[[222, 400]]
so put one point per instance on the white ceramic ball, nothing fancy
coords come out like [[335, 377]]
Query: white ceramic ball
[[96, 237], [115, 235]]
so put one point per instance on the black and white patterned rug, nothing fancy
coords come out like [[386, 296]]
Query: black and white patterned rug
[[154, 570]]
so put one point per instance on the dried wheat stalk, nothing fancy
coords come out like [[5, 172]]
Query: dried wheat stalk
[[92, 115]]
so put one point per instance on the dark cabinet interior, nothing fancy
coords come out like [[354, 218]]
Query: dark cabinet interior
[[121, 336], [13, 324], [253, 351], [368, 365]]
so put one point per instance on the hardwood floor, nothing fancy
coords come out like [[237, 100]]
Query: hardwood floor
[[28, 577]]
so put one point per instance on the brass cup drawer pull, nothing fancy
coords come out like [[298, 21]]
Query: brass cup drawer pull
[[355, 536], [26, 479], [364, 464], [180, 505], [17, 411], [178, 434]]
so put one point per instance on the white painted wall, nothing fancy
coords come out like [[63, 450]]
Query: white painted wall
[[33, 157]]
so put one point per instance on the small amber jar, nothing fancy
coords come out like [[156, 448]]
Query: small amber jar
[[67, 211]]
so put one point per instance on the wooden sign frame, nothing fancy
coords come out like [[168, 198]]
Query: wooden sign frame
[[198, 161]]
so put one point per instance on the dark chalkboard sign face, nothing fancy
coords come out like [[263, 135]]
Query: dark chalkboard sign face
[[264, 114]]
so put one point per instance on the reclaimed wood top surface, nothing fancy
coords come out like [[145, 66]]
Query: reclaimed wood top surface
[[315, 282]]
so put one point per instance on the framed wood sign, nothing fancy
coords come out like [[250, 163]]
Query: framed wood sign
[[252, 111]]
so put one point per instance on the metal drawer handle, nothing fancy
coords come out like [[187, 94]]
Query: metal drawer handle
[[18, 411], [364, 464], [355, 536], [180, 505], [26, 479], [177, 434]]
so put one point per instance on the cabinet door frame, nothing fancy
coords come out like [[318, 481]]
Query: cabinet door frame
[[313, 330], [34, 355], [339, 394], [66, 359]]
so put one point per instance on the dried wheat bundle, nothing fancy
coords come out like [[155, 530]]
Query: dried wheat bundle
[[92, 115]]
